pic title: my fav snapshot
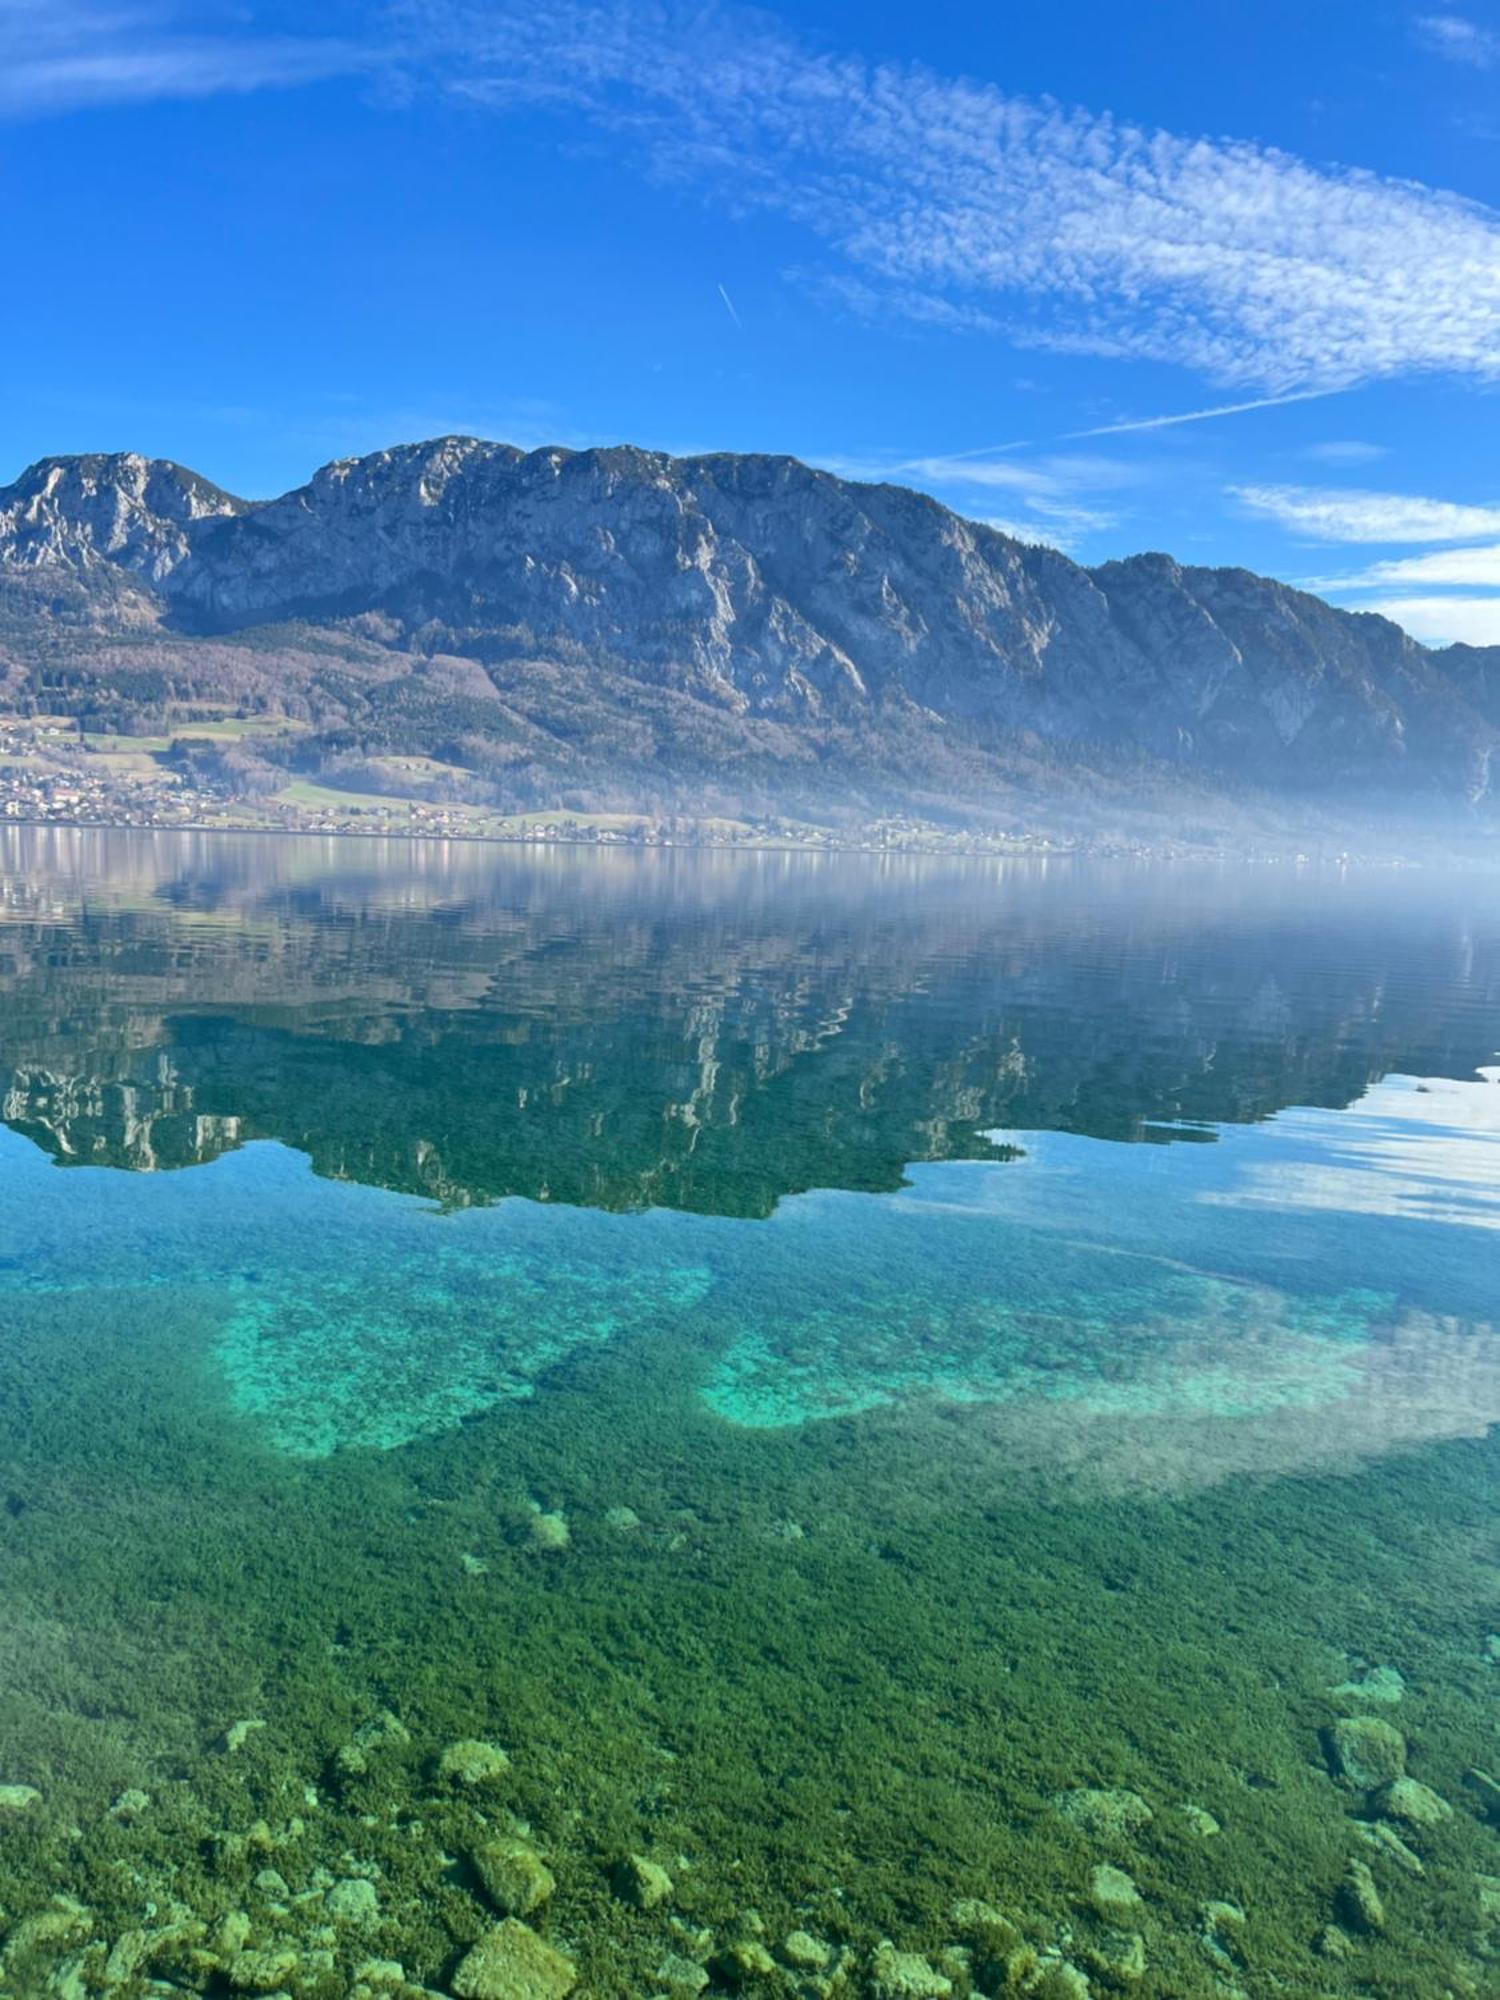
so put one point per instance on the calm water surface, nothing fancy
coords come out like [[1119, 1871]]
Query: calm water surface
[[884, 1388]]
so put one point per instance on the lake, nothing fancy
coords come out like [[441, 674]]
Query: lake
[[782, 1423]]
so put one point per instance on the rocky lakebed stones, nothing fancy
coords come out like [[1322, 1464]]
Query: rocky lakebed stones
[[299, 1908]]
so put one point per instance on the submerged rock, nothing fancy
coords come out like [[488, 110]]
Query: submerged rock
[[63, 1922], [469, 1762], [514, 1876], [1379, 1684], [352, 1901], [906, 1975], [382, 1732], [746, 1962], [18, 1798], [550, 1531], [642, 1882], [126, 1956], [1358, 1899], [1199, 1820], [233, 1933], [1366, 1750], [986, 1927], [1220, 1937], [806, 1952], [1385, 1840], [512, 1963], [1331, 1942], [263, 1971], [1108, 1815], [680, 1975], [1417, 1804], [1112, 1893], [238, 1734], [380, 1972], [1118, 1957], [1062, 1981]]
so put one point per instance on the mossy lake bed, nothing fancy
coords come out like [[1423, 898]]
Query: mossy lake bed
[[1069, 1573]]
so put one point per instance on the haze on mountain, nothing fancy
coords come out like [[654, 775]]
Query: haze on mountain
[[617, 629]]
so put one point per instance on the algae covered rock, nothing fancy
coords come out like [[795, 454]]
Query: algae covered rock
[[470, 1762], [986, 1927], [1119, 1957], [380, 1972], [1384, 1685], [18, 1798], [1219, 1939], [684, 1977], [550, 1532], [1366, 1750], [1331, 1942], [127, 1955], [64, 1922], [1112, 1893], [512, 1963], [1107, 1815], [746, 1962], [1415, 1803], [642, 1882], [1359, 1901], [906, 1975], [806, 1952], [514, 1876], [381, 1733], [1063, 1981], [263, 1971], [1384, 1838], [352, 1901]]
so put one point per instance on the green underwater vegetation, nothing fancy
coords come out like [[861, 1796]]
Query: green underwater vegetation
[[1058, 1566]]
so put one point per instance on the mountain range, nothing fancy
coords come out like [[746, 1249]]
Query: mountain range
[[618, 628]]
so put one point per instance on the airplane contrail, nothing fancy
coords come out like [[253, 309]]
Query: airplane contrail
[[729, 308], [1197, 416]]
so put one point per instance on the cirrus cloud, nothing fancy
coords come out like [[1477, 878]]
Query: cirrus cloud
[[1458, 40], [58, 55], [1347, 514], [1443, 621], [951, 200]]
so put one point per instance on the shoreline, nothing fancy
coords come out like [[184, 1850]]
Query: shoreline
[[962, 848]]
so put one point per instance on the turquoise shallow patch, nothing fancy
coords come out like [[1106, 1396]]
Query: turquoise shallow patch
[[1130, 1304], [339, 1362]]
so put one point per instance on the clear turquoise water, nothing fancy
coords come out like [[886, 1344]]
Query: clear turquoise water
[[817, 1359]]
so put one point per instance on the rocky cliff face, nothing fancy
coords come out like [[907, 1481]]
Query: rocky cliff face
[[758, 589]]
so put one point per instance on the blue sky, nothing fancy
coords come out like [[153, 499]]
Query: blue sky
[[983, 250]]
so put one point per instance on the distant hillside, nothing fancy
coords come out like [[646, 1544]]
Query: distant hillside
[[617, 629]]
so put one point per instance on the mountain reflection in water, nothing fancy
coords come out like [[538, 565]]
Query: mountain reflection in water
[[695, 1031]]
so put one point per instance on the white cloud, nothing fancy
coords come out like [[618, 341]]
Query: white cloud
[[1060, 490], [1023, 531], [1345, 451], [56, 56], [1444, 621], [1458, 39], [1062, 228], [1335, 514], [1470, 569], [1425, 1150]]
